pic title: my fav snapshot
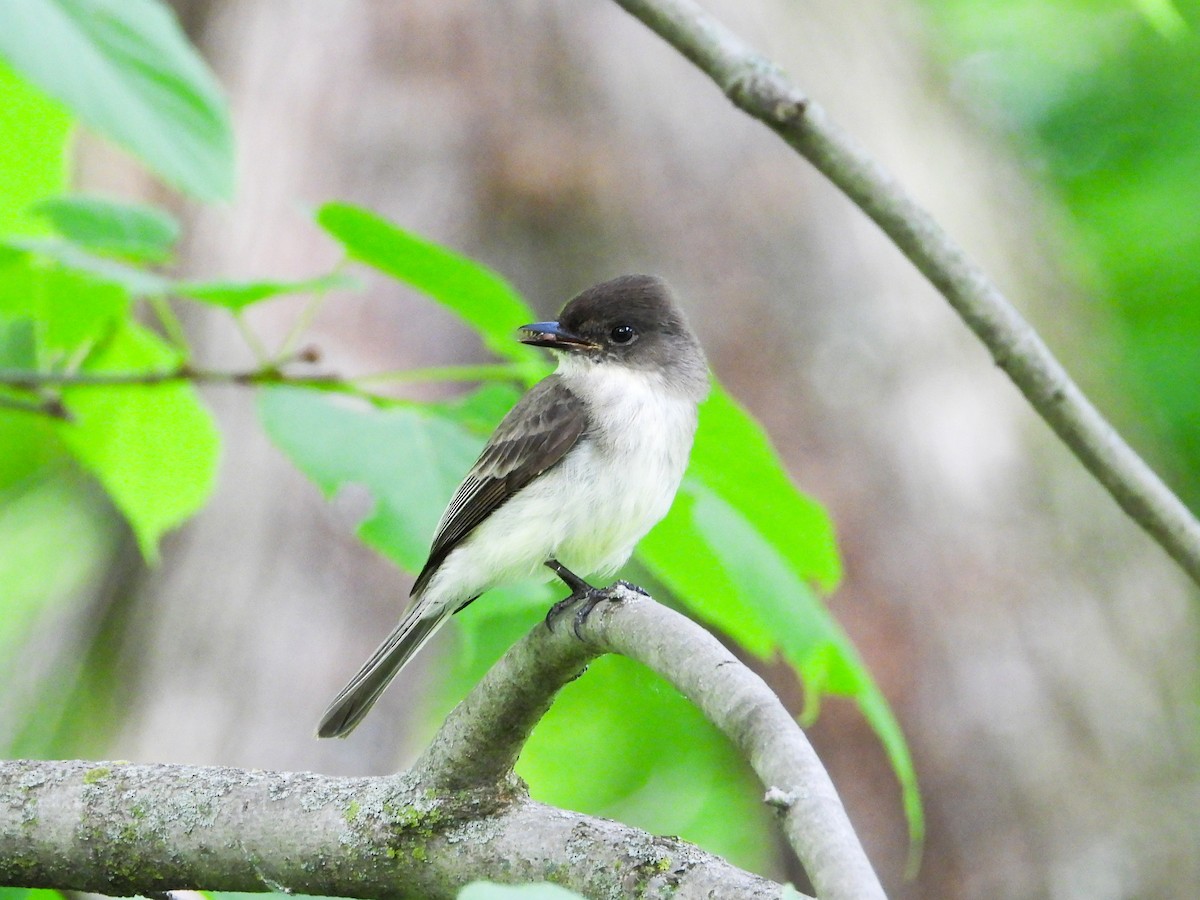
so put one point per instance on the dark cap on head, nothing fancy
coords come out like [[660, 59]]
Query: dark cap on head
[[631, 320]]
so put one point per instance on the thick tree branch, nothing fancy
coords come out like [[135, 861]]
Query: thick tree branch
[[457, 815], [756, 85], [122, 829]]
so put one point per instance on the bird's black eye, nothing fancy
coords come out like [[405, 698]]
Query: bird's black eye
[[623, 334]]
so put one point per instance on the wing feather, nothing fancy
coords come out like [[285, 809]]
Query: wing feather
[[534, 436]]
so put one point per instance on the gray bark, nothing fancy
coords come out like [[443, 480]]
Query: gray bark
[[122, 830], [459, 815]]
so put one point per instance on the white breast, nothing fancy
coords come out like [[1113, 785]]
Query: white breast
[[591, 509], [635, 457]]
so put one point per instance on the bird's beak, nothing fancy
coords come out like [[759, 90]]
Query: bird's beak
[[554, 336]]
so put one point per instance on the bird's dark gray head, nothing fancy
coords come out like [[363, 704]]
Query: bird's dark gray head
[[631, 320]]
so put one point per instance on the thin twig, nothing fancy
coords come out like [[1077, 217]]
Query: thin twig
[[308, 312], [51, 407], [758, 87], [270, 374]]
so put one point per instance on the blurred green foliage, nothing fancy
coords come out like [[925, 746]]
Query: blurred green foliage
[[107, 226], [1104, 98], [28, 894], [125, 68], [33, 154]]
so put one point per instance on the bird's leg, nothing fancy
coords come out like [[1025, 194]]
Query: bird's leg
[[580, 590], [578, 586]]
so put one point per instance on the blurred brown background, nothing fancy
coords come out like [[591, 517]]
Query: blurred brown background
[[1039, 651]]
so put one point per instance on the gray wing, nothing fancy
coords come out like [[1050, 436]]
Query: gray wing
[[535, 435]]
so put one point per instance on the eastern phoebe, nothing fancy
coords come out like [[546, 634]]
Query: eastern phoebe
[[571, 479]]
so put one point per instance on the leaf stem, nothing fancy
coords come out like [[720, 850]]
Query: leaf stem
[[172, 327], [309, 312], [256, 346]]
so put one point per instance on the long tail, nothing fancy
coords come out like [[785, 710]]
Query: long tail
[[356, 698]]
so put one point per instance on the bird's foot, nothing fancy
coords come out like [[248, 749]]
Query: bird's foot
[[582, 591], [590, 597], [577, 585]]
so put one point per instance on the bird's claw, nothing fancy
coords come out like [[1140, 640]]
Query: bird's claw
[[581, 590], [590, 600], [590, 597], [554, 611]]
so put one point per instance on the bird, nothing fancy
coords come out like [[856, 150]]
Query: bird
[[576, 473]]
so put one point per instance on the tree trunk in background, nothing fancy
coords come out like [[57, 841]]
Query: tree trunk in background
[[1038, 649]]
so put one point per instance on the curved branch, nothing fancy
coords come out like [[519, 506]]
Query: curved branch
[[756, 86], [459, 814], [122, 829], [480, 740]]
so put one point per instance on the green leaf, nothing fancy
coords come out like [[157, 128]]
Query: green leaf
[[130, 230], [29, 894], [54, 538], [410, 459], [126, 69], [153, 448], [49, 319], [486, 890], [478, 295], [232, 295], [733, 456], [33, 151], [70, 311], [136, 281], [237, 295], [735, 479], [1164, 16], [18, 347], [741, 548]]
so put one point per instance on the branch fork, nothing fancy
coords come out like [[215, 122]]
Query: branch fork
[[459, 814]]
